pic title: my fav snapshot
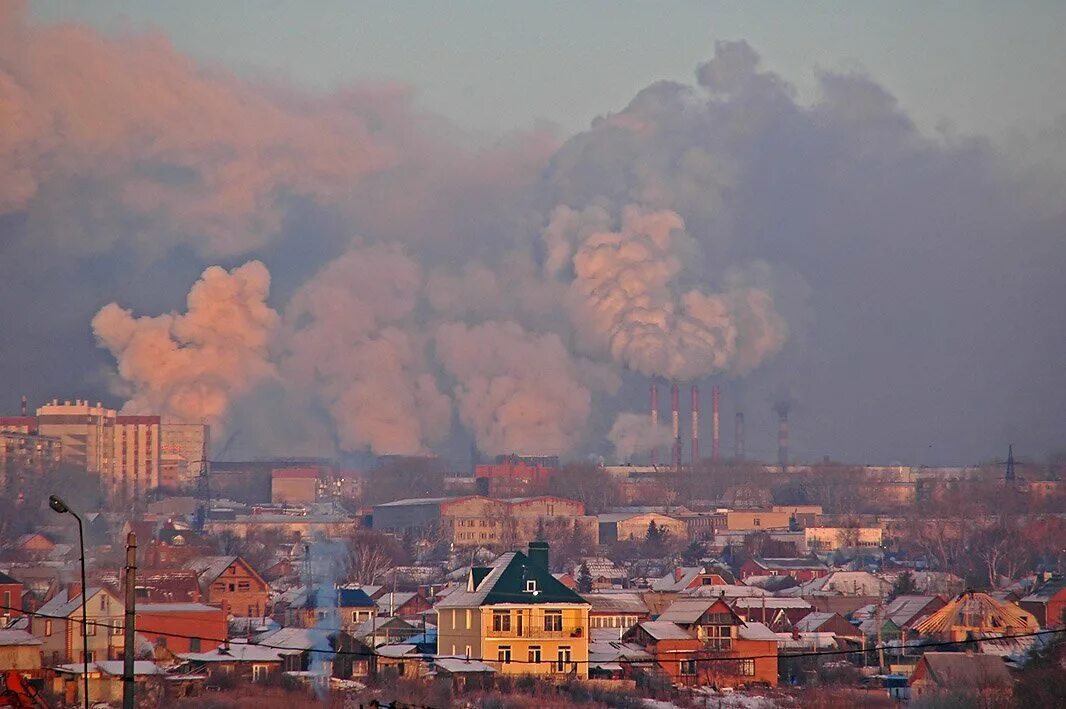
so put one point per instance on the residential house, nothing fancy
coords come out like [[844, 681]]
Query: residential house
[[620, 610], [686, 577], [955, 673], [604, 572], [834, 623], [105, 680], [354, 607], [515, 609], [181, 627], [744, 654], [1047, 603], [465, 673], [402, 660], [19, 650], [58, 625], [973, 614], [10, 598], [231, 580], [237, 658], [385, 631], [802, 570], [324, 651], [405, 604], [904, 612], [778, 614]]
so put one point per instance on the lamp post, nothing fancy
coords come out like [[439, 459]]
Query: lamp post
[[61, 507]]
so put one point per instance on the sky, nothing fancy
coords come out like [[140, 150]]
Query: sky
[[342, 228], [978, 67]]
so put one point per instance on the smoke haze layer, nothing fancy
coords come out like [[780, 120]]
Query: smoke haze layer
[[392, 284]]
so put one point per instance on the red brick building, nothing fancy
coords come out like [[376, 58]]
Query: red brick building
[[167, 625], [10, 598], [231, 580], [515, 476], [803, 570]]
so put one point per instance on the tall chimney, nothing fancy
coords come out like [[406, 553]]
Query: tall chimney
[[23, 408], [738, 436], [655, 420], [782, 434], [715, 439], [695, 425], [675, 413]]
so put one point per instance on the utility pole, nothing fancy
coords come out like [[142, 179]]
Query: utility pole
[[130, 629]]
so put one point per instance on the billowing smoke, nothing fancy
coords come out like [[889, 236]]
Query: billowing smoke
[[190, 366], [629, 303], [517, 392], [522, 286], [632, 434], [350, 339]]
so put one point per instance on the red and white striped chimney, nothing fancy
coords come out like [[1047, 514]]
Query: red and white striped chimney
[[695, 425], [675, 413], [655, 420], [715, 437]]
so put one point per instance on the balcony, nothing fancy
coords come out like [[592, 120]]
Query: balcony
[[536, 633]]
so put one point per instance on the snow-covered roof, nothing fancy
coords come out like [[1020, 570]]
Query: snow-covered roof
[[756, 631]]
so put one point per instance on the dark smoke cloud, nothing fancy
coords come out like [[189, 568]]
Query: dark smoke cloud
[[427, 285]]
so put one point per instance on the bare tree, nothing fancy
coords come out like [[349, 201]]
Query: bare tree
[[370, 554]]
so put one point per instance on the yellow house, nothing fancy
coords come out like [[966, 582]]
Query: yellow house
[[517, 617]]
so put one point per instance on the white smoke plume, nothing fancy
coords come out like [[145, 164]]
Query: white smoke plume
[[516, 391], [349, 339], [190, 366], [632, 434], [628, 302]]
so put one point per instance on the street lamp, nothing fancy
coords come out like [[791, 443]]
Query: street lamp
[[61, 507]]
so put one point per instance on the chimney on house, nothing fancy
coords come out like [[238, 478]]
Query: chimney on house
[[23, 407], [538, 555], [782, 408], [654, 420]]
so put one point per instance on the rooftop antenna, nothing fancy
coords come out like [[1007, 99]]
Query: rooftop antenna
[[1009, 474]]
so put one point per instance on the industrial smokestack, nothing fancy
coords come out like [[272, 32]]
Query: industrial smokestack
[[782, 408], [695, 425], [23, 408], [738, 436], [675, 412], [654, 420], [715, 436]]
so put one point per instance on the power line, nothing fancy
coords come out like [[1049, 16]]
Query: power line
[[674, 656]]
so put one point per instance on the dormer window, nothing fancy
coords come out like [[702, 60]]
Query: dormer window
[[531, 585]]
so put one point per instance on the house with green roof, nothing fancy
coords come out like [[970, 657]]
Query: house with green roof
[[517, 617]]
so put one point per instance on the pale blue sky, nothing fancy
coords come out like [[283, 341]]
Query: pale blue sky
[[981, 67]]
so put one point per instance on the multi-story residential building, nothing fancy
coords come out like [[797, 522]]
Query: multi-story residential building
[[823, 539], [24, 453], [10, 598], [183, 447], [58, 625], [517, 617], [87, 432], [135, 470]]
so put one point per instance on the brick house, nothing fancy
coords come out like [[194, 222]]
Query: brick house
[[166, 625], [803, 570], [231, 580], [1047, 603], [10, 598]]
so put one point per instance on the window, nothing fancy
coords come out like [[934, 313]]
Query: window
[[116, 628], [469, 614], [194, 645], [92, 627], [746, 668], [501, 621], [688, 668], [531, 585], [260, 672], [468, 651], [355, 616], [503, 654], [47, 628], [564, 657], [103, 603], [7, 600], [756, 522], [534, 653], [233, 587], [244, 585], [553, 620]]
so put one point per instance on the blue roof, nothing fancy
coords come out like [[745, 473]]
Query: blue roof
[[354, 598]]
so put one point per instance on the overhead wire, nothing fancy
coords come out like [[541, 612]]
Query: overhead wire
[[673, 656]]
